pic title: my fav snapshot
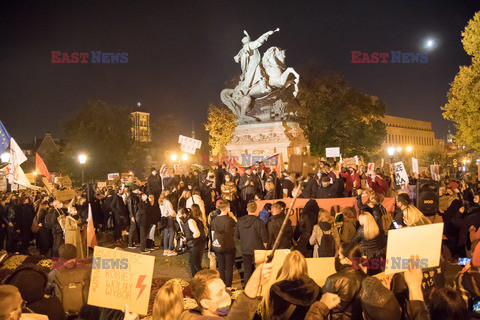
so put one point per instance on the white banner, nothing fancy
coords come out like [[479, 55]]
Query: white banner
[[332, 152], [415, 165], [187, 148]]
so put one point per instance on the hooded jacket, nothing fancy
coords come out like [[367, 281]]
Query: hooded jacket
[[252, 233], [298, 293], [273, 227]]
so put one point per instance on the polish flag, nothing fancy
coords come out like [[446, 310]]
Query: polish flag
[[91, 238]]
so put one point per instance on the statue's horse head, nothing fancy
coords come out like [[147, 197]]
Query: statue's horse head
[[274, 57]]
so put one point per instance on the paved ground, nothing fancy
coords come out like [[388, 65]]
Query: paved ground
[[171, 267]]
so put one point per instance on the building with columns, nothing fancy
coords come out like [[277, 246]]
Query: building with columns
[[404, 132]]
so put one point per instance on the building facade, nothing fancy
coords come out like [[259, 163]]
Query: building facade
[[141, 126], [415, 134]]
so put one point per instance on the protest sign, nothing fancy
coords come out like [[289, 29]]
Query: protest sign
[[332, 152], [64, 181], [401, 176], [120, 278], [415, 165], [112, 176], [422, 241], [371, 168], [319, 269], [261, 256], [189, 145], [187, 148], [101, 184], [350, 162]]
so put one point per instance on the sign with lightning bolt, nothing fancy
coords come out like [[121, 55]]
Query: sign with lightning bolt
[[120, 278]]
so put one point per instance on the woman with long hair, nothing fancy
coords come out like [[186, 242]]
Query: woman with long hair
[[182, 201], [167, 211], [375, 207], [194, 231], [350, 224], [325, 237], [412, 217], [372, 241], [168, 303], [291, 296]]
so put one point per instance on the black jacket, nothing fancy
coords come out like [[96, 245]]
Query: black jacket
[[131, 203], [119, 209], [274, 225], [303, 230], [249, 190], [310, 190], [371, 247], [301, 293], [332, 191], [154, 184], [347, 283], [252, 233]]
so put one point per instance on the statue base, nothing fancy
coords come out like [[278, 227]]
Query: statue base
[[257, 141]]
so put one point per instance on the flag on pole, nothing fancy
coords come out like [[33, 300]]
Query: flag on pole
[[4, 138], [41, 168], [91, 238], [17, 157], [235, 164]]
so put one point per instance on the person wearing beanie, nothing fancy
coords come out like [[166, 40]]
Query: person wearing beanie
[[31, 283]]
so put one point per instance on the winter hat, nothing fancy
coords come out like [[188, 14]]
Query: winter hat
[[378, 302], [30, 282]]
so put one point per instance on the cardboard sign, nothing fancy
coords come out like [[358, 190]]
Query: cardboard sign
[[424, 241], [101, 184], [371, 168], [332, 152], [278, 259], [120, 278], [401, 176], [319, 269], [350, 162], [181, 169], [415, 165]]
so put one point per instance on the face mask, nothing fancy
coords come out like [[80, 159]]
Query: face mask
[[224, 308], [61, 205], [144, 198]]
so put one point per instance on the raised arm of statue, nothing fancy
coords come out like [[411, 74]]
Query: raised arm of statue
[[257, 43]]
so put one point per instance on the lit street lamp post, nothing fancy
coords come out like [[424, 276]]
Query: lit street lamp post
[[82, 159]]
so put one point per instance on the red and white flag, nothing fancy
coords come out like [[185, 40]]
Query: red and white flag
[[91, 238], [41, 168]]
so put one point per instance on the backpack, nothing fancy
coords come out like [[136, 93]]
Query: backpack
[[71, 288], [326, 247]]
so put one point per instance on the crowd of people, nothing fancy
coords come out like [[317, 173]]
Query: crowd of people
[[215, 213]]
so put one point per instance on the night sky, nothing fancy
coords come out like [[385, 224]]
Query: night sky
[[180, 53]]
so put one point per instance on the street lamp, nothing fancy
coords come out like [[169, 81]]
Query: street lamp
[[409, 148], [82, 159], [184, 157], [391, 152], [173, 157], [5, 157], [399, 149]]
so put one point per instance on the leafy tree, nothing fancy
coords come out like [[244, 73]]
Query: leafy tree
[[103, 133], [220, 126], [334, 114], [464, 95]]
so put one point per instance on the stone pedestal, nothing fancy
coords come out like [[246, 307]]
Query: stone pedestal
[[256, 141]]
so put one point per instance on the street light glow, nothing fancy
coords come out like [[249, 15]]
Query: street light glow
[[184, 157], [5, 157], [399, 149], [82, 159], [35, 173], [173, 156], [409, 149], [391, 151]]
